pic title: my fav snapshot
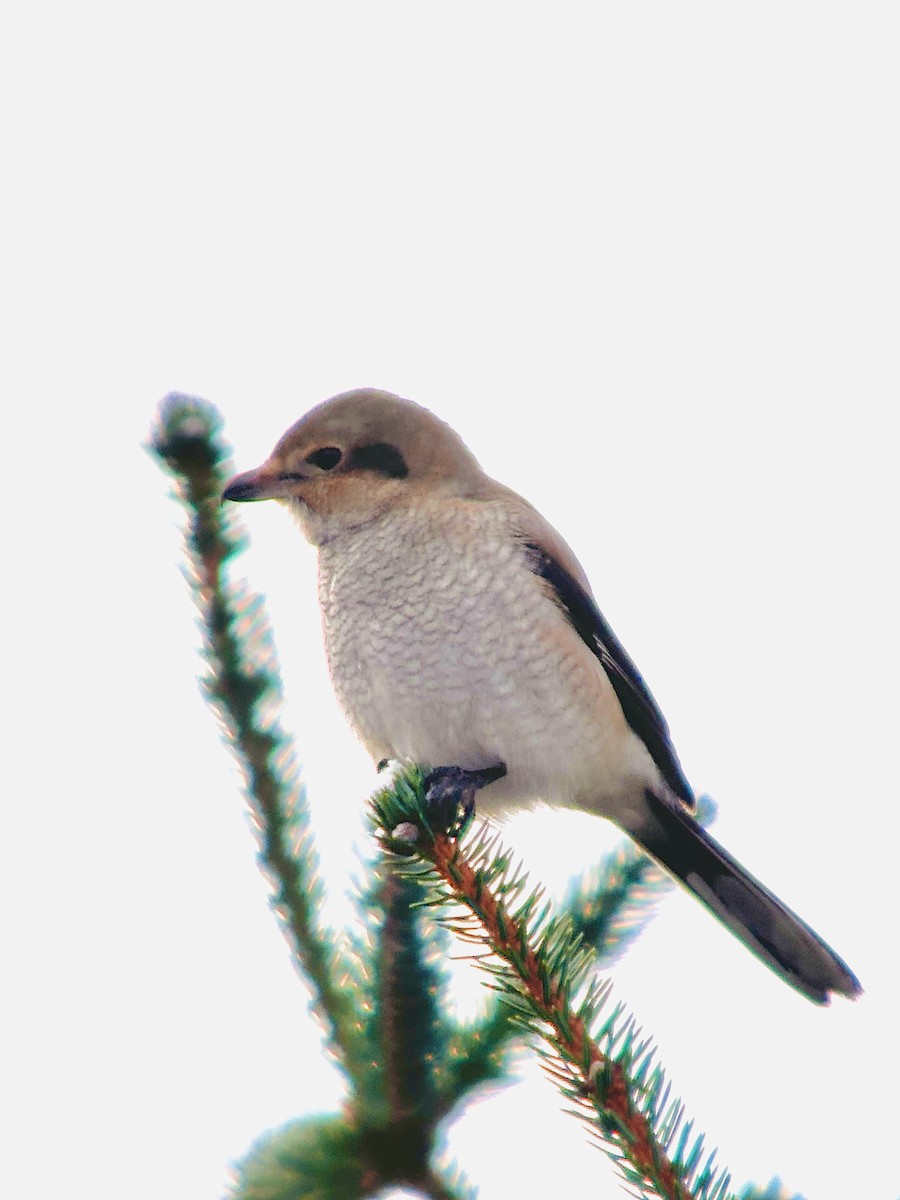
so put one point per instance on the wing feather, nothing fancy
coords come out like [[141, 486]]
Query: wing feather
[[638, 705]]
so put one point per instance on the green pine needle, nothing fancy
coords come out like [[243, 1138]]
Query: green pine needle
[[542, 972], [317, 1158], [243, 688]]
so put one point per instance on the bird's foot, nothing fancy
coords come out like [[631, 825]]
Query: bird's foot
[[450, 795]]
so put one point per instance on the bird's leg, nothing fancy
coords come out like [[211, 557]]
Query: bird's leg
[[450, 795]]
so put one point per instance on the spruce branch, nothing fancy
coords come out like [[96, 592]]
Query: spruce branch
[[329, 1158], [611, 903], [540, 967], [475, 1054], [407, 987], [316, 1157], [242, 687], [775, 1190], [608, 906], [447, 1183]]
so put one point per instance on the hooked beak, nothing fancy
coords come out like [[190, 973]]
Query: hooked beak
[[265, 483]]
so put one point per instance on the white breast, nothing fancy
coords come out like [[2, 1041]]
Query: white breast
[[445, 649]]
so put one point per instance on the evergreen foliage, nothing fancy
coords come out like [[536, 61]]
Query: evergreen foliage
[[378, 990]]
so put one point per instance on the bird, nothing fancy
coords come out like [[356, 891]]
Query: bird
[[461, 632]]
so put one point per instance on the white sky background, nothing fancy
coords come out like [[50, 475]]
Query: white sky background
[[645, 259]]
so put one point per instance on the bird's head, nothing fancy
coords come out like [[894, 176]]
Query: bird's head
[[356, 456]]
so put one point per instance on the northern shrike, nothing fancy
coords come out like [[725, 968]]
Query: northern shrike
[[461, 632]]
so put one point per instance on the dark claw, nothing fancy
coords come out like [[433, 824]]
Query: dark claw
[[450, 795]]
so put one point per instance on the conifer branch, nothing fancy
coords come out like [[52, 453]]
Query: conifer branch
[[242, 687], [542, 974], [775, 1190], [474, 1054], [407, 987], [442, 1185], [582, 1067], [609, 904]]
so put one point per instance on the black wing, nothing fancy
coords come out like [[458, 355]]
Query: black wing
[[641, 710]]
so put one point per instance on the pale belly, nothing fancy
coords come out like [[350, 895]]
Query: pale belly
[[444, 650]]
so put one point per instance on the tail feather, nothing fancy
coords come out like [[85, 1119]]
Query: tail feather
[[766, 926]]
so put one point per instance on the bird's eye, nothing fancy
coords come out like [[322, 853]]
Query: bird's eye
[[327, 457]]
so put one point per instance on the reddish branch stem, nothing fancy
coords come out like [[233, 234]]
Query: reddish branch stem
[[582, 1055]]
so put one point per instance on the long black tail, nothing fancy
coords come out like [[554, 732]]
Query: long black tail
[[749, 910]]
